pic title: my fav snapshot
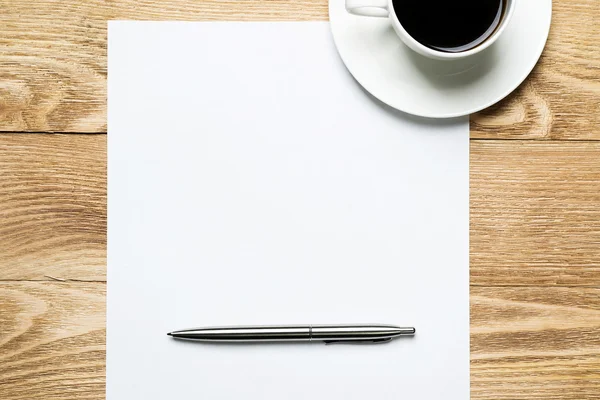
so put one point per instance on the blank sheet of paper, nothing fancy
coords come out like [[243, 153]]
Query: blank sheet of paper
[[251, 181]]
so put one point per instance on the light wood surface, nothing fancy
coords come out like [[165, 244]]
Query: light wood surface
[[534, 343], [525, 196], [535, 202], [53, 64], [53, 213]]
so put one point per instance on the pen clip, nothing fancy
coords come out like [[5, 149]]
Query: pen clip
[[360, 341]]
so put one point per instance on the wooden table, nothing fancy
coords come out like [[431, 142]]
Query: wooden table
[[535, 202]]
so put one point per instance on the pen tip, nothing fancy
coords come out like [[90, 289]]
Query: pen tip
[[170, 334]]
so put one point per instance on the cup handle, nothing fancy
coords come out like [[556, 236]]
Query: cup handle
[[368, 8]]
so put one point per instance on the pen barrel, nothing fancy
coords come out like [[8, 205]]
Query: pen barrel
[[298, 333], [272, 334], [294, 333], [357, 332]]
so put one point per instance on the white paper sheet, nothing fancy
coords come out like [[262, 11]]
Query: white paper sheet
[[251, 181]]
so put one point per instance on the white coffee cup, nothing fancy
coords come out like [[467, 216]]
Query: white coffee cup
[[385, 9]]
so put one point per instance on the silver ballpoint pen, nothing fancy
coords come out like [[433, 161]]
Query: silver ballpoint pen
[[360, 333]]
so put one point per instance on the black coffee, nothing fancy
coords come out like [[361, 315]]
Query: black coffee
[[450, 25]]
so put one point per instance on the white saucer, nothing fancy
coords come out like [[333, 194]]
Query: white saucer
[[401, 78]]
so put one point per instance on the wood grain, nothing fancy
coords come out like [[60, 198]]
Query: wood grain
[[53, 54], [561, 99], [533, 343], [535, 213], [52, 340], [53, 213], [535, 205], [535, 210], [53, 64]]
